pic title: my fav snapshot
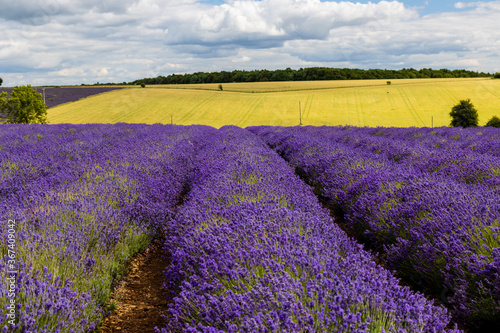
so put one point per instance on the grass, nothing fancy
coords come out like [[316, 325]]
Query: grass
[[404, 103]]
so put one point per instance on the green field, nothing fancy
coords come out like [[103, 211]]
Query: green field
[[404, 103]]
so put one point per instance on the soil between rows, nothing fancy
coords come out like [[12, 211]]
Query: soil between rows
[[139, 298]]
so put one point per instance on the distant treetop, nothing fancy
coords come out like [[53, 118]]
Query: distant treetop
[[464, 114], [307, 74]]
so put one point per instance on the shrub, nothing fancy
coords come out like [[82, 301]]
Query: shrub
[[493, 122], [25, 106], [464, 114], [496, 76]]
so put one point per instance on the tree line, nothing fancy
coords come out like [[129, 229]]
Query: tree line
[[303, 74], [307, 74]]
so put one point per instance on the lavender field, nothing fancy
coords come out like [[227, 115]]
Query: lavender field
[[428, 199], [55, 96], [84, 199], [252, 249]]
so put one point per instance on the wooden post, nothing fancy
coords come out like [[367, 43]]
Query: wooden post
[[300, 115]]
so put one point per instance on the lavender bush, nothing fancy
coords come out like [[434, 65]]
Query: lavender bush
[[253, 251], [435, 209]]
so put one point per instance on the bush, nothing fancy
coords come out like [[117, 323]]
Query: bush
[[143, 85], [25, 106], [493, 122], [464, 114], [220, 87], [496, 76]]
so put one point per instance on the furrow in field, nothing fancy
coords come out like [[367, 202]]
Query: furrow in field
[[308, 107], [414, 112], [250, 110], [194, 109], [359, 110]]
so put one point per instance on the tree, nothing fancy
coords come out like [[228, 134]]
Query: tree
[[493, 122], [464, 114], [25, 106], [1, 81], [496, 76]]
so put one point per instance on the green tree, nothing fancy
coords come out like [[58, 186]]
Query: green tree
[[1, 81], [496, 76], [493, 122], [464, 114], [25, 106]]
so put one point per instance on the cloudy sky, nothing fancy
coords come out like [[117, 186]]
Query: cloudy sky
[[86, 41]]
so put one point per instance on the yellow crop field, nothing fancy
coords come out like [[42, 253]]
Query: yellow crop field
[[404, 103], [278, 86]]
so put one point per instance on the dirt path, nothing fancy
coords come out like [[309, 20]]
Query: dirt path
[[139, 297]]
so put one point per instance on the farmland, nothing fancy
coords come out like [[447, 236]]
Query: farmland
[[404, 103], [263, 228], [251, 248], [429, 198], [55, 96]]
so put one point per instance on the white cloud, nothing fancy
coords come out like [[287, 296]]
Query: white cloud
[[243, 58], [103, 72], [63, 41], [271, 22], [484, 5], [69, 72]]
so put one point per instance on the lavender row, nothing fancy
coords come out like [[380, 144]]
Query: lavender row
[[57, 96], [438, 233], [253, 251], [457, 162], [484, 140], [85, 198]]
